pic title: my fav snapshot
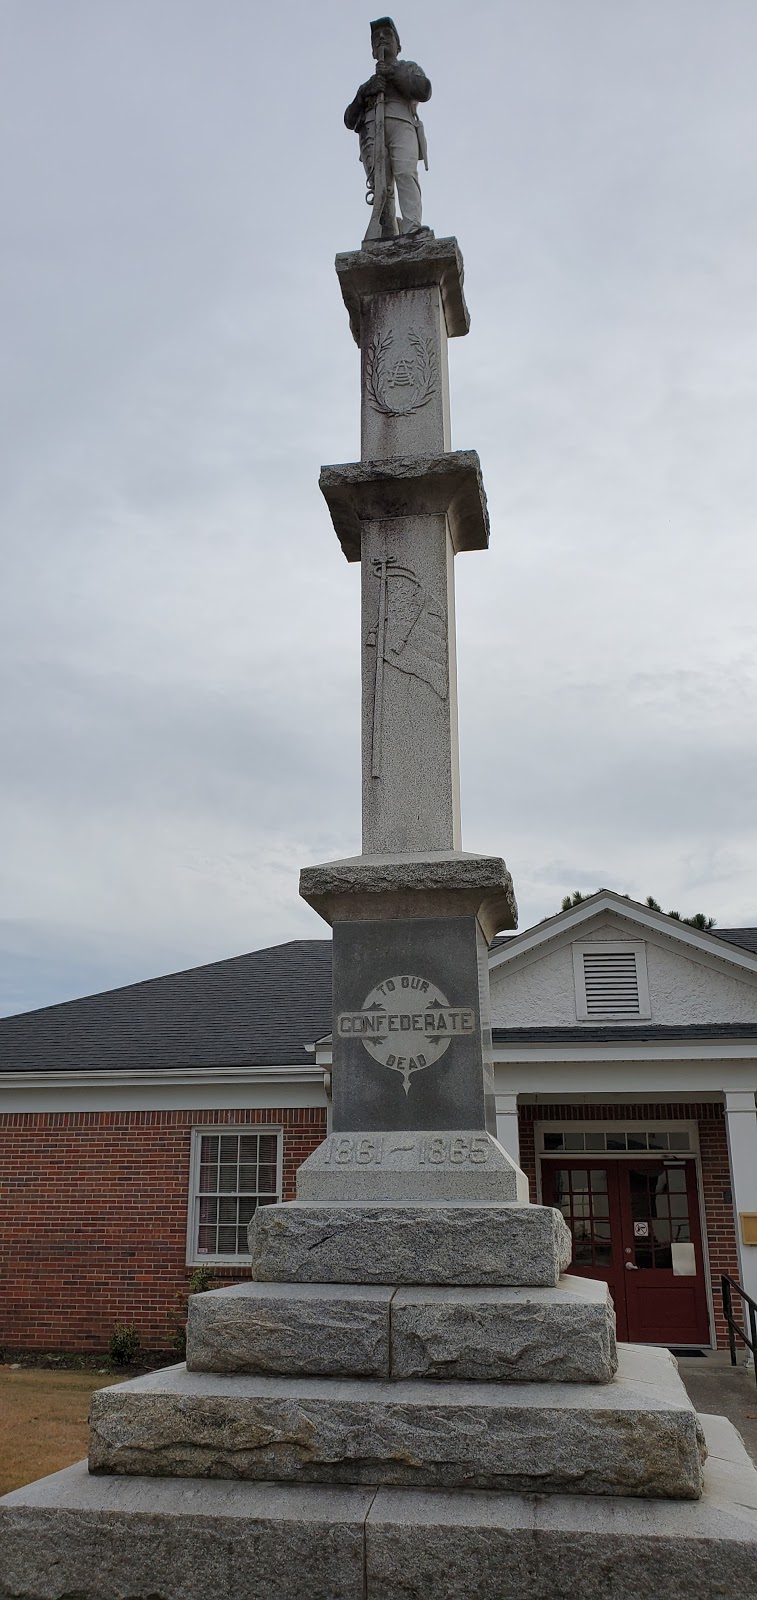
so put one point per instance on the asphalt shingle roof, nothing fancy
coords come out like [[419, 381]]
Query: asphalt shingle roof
[[625, 1032], [746, 937], [254, 1010], [260, 1009]]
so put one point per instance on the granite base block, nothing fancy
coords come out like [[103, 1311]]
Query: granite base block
[[183, 1539], [410, 1166], [510, 1547], [459, 1243], [560, 1335], [75, 1537], [305, 1329], [635, 1436]]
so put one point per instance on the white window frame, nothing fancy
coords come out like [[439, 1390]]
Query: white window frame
[[611, 947], [658, 1126], [195, 1259]]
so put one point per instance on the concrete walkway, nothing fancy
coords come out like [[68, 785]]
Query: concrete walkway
[[715, 1386]]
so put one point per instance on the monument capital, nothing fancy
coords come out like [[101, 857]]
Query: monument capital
[[382, 266]]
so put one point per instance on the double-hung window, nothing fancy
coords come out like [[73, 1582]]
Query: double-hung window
[[233, 1171]]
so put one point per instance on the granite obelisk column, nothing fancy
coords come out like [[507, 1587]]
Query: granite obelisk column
[[413, 915]]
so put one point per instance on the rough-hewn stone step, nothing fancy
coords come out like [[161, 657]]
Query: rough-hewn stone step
[[560, 1335], [295, 1329], [188, 1539], [637, 1435], [565, 1334], [435, 1243]]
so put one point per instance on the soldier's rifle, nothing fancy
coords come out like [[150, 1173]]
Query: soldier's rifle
[[380, 177]]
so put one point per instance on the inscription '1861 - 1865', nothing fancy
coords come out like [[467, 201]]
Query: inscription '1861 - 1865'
[[434, 1150]]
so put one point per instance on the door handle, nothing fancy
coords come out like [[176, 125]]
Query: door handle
[[631, 1266]]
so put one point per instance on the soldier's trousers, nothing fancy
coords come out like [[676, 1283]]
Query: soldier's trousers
[[402, 149]]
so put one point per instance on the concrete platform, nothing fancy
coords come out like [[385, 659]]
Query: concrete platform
[[185, 1539], [560, 1335], [718, 1388], [637, 1435]]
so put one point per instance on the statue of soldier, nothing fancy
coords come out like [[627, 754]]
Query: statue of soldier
[[391, 96]]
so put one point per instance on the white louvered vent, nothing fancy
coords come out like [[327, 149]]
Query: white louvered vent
[[611, 981]]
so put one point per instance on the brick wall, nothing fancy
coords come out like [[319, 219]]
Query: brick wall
[[94, 1220], [716, 1172]]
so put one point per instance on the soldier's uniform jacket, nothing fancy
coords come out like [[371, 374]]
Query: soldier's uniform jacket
[[400, 102]]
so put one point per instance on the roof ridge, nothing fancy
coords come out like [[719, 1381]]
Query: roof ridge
[[162, 977]]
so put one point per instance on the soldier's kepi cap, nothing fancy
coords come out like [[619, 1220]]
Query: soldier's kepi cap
[[386, 22]]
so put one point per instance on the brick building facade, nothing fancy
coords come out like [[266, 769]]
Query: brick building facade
[[105, 1240], [140, 1128]]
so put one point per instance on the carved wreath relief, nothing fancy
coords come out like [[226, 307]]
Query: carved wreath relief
[[400, 387], [406, 1024]]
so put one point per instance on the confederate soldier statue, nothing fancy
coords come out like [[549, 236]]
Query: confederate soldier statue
[[383, 114]]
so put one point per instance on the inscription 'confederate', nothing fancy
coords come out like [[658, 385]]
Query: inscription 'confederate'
[[406, 1024]]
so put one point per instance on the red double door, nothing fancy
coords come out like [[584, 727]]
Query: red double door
[[636, 1225]]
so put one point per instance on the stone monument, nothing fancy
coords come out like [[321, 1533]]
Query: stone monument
[[410, 1398]]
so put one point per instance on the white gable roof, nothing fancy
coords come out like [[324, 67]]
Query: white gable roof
[[693, 977]]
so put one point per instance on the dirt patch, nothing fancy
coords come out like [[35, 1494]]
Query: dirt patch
[[43, 1421]]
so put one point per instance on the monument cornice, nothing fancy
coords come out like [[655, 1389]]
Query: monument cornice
[[450, 484], [443, 883]]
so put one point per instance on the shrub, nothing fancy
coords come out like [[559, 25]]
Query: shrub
[[201, 1280], [124, 1344]]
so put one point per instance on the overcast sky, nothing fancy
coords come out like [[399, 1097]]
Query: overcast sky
[[179, 724]]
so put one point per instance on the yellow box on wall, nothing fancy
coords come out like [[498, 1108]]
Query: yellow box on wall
[[748, 1220]]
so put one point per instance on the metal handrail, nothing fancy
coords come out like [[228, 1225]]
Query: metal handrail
[[735, 1331]]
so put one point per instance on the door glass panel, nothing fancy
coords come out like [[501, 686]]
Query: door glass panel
[[651, 1207], [582, 1198], [676, 1179]]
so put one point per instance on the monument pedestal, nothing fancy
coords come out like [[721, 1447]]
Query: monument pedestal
[[148, 1538]]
